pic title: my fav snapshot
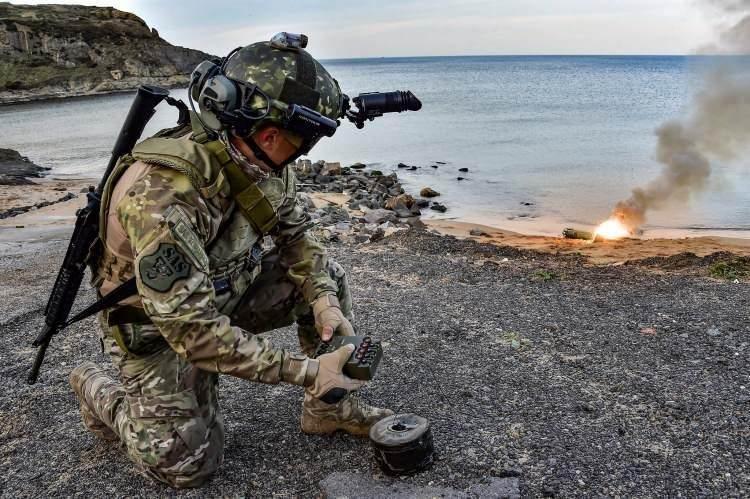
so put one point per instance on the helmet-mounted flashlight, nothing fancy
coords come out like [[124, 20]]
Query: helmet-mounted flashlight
[[287, 41]]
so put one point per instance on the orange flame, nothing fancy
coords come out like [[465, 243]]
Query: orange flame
[[612, 229]]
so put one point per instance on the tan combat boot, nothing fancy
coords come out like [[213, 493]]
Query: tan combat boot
[[90, 384], [351, 415]]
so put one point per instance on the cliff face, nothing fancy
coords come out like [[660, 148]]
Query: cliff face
[[68, 50]]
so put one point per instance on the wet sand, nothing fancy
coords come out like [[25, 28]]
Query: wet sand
[[599, 252]]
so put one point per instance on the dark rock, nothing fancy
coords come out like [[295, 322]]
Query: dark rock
[[428, 192], [361, 179], [441, 162], [378, 216], [330, 215], [463, 170], [12, 212], [478, 232], [403, 165], [377, 235], [402, 212], [422, 203], [412, 168], [460, 178], [376, 173], [324, 179], [439, 207], [526, 203], [379, 189], [317, 167], [358, 166], [16, 169], [433, 166]]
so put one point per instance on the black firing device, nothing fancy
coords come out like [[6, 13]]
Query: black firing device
[[364, 359]]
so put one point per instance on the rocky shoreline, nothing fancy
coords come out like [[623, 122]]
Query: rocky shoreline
[[56, 92], [372, 204]]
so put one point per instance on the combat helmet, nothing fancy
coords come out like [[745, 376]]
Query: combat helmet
[[271, 82]]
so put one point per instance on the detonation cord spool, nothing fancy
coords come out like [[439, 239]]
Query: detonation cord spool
[[402, 444]]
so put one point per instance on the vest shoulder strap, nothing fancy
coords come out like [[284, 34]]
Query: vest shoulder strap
[[250, 199]]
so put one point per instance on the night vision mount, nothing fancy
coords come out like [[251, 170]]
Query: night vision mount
[[228, 104]]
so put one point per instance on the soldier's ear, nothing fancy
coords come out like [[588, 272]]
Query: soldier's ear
[[268, 137]]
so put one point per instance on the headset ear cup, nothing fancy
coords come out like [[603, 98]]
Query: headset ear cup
[[218, 95], [201, 74]]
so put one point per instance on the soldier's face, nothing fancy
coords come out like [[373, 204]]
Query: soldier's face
[[273, 141]]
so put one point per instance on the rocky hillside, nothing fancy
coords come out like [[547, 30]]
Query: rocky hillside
[[68, 50]]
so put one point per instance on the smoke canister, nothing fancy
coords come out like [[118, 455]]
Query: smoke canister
[[402, 444], [571, 233]]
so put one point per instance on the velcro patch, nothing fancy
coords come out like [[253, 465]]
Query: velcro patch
[[163, 268]]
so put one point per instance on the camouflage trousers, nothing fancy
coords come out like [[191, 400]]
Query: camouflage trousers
[[164, 410]]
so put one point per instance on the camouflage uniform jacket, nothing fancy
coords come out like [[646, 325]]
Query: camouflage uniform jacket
[[170, 219]]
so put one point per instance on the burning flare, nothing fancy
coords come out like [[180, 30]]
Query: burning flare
[[612, 229]]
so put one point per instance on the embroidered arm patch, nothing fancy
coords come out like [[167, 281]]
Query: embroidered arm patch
[[163, 268]]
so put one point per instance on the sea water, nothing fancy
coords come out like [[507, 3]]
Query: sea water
[[548, 141]]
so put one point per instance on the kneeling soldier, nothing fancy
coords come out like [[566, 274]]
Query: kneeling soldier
[[185, 214]]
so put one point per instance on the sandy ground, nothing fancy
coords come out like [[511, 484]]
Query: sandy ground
[[576, 380], [599, 252]]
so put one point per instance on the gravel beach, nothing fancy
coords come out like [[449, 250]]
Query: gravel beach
[[536, 371]]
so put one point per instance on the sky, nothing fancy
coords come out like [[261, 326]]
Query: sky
[[383, 28]]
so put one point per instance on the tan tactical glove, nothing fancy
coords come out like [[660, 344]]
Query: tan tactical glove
[[331, 385], [329, 319]]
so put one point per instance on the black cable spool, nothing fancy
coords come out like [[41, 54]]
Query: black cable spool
[[402, 444]]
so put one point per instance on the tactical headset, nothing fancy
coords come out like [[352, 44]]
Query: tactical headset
[[226, 104]]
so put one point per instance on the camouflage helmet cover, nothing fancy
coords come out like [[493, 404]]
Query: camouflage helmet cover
[[291, 76]]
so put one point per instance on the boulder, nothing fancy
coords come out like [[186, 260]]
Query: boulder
[[422, 203], [378, 216], [428, 192], [439, 207], [464, 170], [331, 169], [402, 200], [358, 166], [304, 199], [304, 167]]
